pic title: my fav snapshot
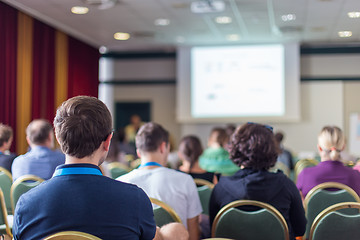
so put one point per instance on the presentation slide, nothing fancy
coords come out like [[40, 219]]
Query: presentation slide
[[237, 81]]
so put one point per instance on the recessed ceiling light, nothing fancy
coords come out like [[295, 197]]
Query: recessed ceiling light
[[103, 49], [223, 20], [121, 36], [288, 17], [345, 34], [354, 14], [79, 10], [233, 37], [162, 22]]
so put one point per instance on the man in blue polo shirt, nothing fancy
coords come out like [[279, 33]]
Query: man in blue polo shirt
[[41, 160], [78, 197]]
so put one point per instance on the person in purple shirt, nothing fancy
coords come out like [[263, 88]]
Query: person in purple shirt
[[331, 142], [41, 160]]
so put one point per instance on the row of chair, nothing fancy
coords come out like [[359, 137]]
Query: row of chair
[[10, 193]]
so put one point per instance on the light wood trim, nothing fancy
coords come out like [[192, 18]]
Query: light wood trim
[[203, 182], [6, 172], [71, 235], [118, 165], [326, 185], [18, 181], [167, 208], [4, 213]]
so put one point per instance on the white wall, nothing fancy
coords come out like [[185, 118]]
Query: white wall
[[322, 102]]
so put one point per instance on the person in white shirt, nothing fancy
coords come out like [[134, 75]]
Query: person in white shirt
[[175, 188]]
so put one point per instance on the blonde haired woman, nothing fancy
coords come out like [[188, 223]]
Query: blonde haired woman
[[331, 142]]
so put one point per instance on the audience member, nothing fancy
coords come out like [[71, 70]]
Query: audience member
[[41, 160], [285, 155], [78, 197], [6, 138], [331, 141], [189, 152], [253, 148], [132, 128], [175, 188], [215, 158]]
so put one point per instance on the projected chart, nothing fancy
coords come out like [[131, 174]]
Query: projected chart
[[237, 81]]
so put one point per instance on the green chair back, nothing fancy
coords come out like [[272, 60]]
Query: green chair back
[[204, 190], [5, 185], [204, 195], [319, 199], [163, 213], [302, 164], [331, 224], [5, 225], [21, 186], [265, 223], [117, 169]]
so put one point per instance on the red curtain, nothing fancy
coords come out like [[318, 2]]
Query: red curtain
[[8, 53], [43, 87], [83, 69]]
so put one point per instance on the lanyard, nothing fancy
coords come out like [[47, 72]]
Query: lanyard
[[150, 164], [77, 170]]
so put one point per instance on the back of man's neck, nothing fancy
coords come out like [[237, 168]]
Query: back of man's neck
[[73, 160]]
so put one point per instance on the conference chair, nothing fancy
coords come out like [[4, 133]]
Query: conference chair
[[331, 224], [304, 163], [320, 197], [22, 185], [163, 213], [71, 235], [204, 189], [5, 220], [264, 223], [5, 185], [117, 169]]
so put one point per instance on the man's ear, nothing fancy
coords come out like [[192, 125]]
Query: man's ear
[[138, 153], [28, 140], [107, 142], [163, 147]]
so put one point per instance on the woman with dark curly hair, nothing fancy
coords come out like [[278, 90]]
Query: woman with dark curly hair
[[253, 148]]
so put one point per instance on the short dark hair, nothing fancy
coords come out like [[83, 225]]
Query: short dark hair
[[82, 123], [190, 147], [279, 136], [219, 135], [38, 131], [6, 133], [150, 136], [253, 145]]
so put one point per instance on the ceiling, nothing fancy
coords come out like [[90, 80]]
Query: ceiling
[[255, 21]]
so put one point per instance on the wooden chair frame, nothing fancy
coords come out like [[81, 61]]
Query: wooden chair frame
[[326, 185], [6, 172], [118, 165], [18, 181], [4, 214], [203, 182], [71, 235], [330, 209], [238, 203], [167, 208]]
